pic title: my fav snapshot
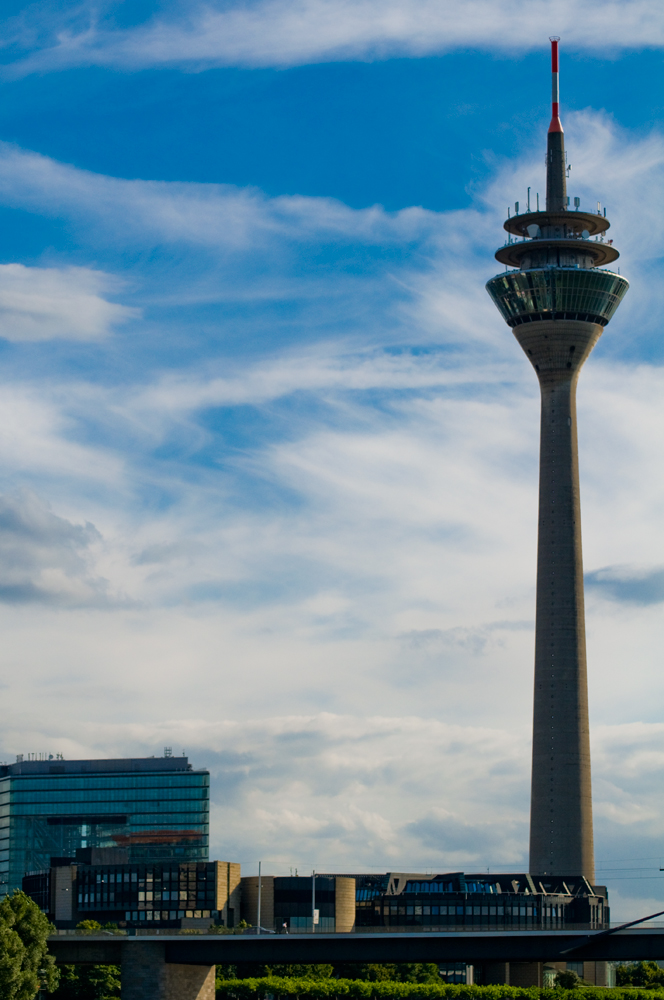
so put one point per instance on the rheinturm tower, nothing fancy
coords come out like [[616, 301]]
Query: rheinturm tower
[[557, 295]]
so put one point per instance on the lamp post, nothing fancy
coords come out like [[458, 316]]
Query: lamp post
[[313, 902], [258, 921]]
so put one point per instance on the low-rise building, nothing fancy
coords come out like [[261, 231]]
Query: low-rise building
[[99, 886], [296, 905], [105, 885], [455, 899], [407, 901]]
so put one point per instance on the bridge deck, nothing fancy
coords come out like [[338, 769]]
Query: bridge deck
[[472, 947]]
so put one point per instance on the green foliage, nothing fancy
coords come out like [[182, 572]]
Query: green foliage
[[646, 974], [25, 965], [89, 982], [403, 972], [397, 972], [567, 980], [300, 971], [358, 989], [623, 975], [255, 970]]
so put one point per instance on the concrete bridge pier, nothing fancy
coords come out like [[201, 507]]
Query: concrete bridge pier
[[146, 975]]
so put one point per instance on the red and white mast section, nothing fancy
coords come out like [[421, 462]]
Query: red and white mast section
[[555, 125], [556, 175]]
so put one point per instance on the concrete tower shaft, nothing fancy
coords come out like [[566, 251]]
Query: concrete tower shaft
[[558, 303], [561, 825]]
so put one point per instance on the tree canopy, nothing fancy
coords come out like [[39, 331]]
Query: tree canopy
[[647, 974], [89, 982], [401, 972], [25, 965]]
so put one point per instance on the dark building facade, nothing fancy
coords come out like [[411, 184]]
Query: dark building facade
[[155, 808], [295, 905], [167, 894], [481, 902], [294, 900], [403, 901]]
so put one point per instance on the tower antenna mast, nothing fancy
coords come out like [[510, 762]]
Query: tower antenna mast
[[556, 180]]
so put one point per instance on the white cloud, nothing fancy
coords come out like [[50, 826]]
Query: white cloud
[[370, 792], [45, 559], [228, 218], [365, 548], [241, 246], [348, 790], [38, 443], [402, 575], [291, 32], [38, 303]]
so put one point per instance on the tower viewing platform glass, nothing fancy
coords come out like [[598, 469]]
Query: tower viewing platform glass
[[557, 300]]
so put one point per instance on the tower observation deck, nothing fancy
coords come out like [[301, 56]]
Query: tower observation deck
[[557, 300]]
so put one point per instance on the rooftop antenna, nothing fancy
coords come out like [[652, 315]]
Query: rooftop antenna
[[556, 180]]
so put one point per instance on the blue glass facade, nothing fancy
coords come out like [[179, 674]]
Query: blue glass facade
[[156, 808]]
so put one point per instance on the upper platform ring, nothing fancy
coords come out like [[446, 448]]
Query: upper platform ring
[[600, 253], [573, 223]]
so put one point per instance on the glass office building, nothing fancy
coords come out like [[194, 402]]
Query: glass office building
[[156, 808], [480, 902]]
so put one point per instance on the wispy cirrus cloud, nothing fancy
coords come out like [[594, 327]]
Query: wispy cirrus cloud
[[222, 216], [292, 32], [38, 303], [408, 270]]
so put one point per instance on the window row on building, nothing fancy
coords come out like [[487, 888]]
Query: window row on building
[[155, 809]]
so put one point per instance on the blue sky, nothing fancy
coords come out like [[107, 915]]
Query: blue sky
[[268, 454]]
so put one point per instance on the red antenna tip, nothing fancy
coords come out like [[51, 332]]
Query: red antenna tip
[[554, 39]]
